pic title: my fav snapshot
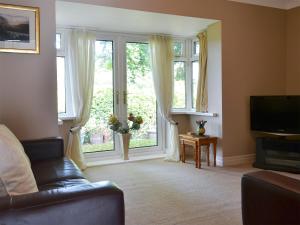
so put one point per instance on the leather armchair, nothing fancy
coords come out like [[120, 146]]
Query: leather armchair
[[270, 199], [65, 196]]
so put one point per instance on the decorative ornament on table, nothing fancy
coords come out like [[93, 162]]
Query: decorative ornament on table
[[123, 130], [201, 128]]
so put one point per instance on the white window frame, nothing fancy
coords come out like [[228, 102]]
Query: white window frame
[[62, 52], [160, 128], [185, 82], [188, 57], [195, 57], [120, 81]]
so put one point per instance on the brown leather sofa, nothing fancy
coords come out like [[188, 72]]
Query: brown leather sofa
[[270, 199], [65, 197]]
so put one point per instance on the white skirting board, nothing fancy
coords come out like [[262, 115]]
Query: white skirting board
[[235, 160]]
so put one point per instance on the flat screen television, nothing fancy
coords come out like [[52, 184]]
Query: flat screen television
[[275, 114]]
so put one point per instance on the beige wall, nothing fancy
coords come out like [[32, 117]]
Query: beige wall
[[28, 82], [253, 62], [293, 52]]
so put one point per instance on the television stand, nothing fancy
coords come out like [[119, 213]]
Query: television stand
[[280, 154]]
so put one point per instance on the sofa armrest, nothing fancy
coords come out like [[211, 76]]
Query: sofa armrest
[[95, 203], [44, 149], [270, 198]]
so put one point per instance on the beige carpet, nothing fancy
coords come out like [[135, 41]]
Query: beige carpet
[[165, 193]]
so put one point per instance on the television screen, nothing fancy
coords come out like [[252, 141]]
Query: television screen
[[278, 114]]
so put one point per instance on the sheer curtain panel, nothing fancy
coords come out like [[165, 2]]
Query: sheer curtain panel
[[162, 63], [81, 50]]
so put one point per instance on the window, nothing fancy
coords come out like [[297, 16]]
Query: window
[[178, 48], [121, 90], [96, 135], [123, 84], [140, 94], [195, 77], [61, 86], [58, 41], [185, 74], [179, 79], [196, 48], [64, 107], [61, 76]]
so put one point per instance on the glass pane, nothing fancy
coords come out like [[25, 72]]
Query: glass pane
[[178, 49], [140, 94], [179, 85], [196, 48], [61, 89], [96, 135], [195, 81], [58, 41]]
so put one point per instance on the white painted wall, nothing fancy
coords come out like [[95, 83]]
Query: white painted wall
[[214, 82]]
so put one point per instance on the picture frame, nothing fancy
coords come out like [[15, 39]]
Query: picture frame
[[19, 29]]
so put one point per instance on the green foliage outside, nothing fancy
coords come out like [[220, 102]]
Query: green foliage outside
[[140, 102], [177, 48], [135, 143], [138, 60], [141, 97], [179, 85], [104, 59]]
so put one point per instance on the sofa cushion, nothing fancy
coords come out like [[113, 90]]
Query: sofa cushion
[[51, 171], [15, 170]]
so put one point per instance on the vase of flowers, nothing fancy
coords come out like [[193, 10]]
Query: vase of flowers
[[201, 128], [123, 130], [124, 144]]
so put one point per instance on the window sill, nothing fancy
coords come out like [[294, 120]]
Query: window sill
[[63, 118], [119, 161], [208, 114]]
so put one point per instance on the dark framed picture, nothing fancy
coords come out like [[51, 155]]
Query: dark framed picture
[[19, 29]]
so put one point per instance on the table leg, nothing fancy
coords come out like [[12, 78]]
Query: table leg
[[207, 157], [199, 157], [183, 152], [196, 155], [180, 151], [215, 153]]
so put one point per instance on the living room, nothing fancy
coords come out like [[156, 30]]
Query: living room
[[258, 49]]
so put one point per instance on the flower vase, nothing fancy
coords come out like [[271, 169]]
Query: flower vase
[[201, 131], [124, 144]]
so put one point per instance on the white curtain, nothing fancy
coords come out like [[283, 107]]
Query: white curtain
[[162, 63], [81, 50]]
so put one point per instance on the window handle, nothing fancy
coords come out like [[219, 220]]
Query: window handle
[[117, 97], [125, 97]]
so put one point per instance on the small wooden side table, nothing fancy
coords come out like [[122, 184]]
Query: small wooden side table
[[196, 141]]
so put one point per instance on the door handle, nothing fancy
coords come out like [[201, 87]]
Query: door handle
[[125, 97], [117, 97]]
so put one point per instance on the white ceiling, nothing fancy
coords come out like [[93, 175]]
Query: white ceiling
[[281, 4], [110, 19]]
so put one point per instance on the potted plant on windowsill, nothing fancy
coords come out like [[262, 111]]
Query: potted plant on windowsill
[[123, 130]]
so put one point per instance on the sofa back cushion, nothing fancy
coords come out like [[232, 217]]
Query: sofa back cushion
[[15, 168], [3, 191]]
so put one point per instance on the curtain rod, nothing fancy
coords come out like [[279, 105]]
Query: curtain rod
[[132, 33]]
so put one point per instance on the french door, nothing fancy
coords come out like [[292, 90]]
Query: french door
[[122, 85]]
